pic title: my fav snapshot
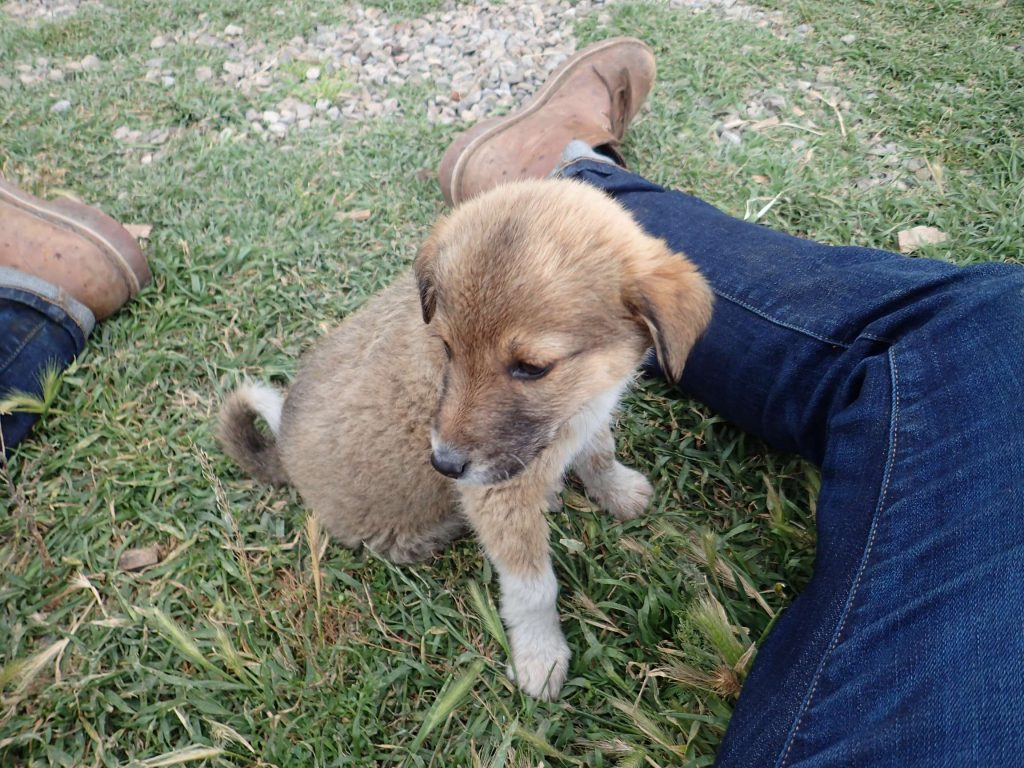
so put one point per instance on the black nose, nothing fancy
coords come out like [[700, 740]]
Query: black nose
[[448, 462]]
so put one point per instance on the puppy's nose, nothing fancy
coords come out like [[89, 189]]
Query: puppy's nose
[[449, 462]]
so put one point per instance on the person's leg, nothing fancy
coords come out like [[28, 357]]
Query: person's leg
[[903, 379], [43, 327], [63, 265]]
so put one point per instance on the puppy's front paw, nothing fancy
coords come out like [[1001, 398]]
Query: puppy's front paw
[[540, 663], [627, 494]]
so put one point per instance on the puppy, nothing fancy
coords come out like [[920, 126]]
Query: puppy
[[462, 393]]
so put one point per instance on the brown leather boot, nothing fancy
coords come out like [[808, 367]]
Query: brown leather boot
[[592, 97], [71, 245]]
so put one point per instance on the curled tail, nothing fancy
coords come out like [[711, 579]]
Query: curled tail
[[255, 451]]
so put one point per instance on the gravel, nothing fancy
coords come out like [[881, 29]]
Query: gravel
[[48, 10], [473, 60]]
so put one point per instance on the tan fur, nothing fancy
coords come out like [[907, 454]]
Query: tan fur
[[540, 273]]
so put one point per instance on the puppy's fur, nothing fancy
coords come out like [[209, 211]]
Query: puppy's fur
[[504, 352]]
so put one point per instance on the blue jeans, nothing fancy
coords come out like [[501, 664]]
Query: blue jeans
[[40, 325], [903, 379]]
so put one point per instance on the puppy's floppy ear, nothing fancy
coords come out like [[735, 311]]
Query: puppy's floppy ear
[[423, 269], [670, 297]]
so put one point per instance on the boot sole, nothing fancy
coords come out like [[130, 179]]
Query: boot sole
[[92, 224]]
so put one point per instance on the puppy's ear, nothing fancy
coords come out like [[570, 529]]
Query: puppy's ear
[[670, 297], [423, 269]]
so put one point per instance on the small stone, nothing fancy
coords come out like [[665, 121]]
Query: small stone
[[313, 73], [168, 81], [322, 105], [147, 159], [92, 61], [56, 75], [731, 137], [848, 39], [137, 559], [334, 113], [233, 30], [912, 239], [278, 129], [61, 106], [158, 42], [122, 133], [270, 116], [203, 74]]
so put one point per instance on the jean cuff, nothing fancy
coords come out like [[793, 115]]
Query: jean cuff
[[52, 300], [569, 168]]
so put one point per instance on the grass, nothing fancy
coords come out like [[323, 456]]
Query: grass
[[253, 643]]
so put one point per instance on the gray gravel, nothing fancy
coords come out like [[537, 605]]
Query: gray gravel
[[475, 59]]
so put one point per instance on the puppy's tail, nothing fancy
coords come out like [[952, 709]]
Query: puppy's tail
[[255, 451]]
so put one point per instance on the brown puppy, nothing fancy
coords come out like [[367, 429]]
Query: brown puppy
[[499, 360]]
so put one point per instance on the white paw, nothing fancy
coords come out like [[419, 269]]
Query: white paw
[[627, 494], [539, 663]]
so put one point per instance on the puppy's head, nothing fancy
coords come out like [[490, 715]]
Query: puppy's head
[[545, 296]]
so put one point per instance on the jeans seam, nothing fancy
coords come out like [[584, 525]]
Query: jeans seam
[[764, 315], [847, 608], [21, 347]]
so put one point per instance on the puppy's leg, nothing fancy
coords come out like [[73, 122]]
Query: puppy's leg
[[509, 521], [622, 491]]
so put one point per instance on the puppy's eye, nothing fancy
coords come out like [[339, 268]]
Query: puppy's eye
[[528, 371], [447, 350]]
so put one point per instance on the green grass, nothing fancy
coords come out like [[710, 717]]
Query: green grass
[[251, 644]]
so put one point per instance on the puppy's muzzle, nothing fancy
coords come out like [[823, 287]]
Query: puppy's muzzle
[[449, 462]]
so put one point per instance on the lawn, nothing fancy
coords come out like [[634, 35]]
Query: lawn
[[253, 641]]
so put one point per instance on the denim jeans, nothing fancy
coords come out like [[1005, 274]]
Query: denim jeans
[[40, 326], [903, 379]]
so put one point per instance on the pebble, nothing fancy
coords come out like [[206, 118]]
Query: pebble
[[203, 74], [61, 106]]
